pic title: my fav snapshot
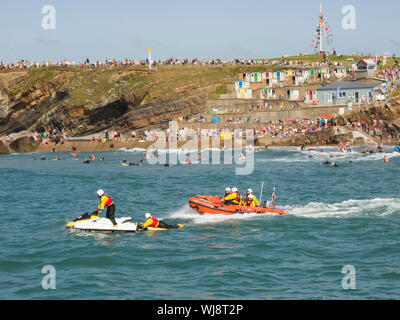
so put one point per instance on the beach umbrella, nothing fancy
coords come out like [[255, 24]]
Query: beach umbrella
[[326, 115]]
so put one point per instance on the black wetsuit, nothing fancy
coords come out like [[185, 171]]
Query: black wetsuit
[[111, 213], [164, 225]]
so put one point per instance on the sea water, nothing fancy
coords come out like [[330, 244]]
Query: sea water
[[340, 219]]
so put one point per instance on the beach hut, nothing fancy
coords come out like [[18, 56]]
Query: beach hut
[[268, 93], [292, 94], [240, 93], [311, 96], [248, 94], [241, 84], [367, 65], [256, 77]]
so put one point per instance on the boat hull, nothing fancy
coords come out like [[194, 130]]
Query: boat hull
[[214, 205]]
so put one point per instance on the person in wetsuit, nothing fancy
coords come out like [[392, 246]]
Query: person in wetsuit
[[152, 221]]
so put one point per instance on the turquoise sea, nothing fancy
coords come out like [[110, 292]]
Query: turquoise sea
[[344, 216]]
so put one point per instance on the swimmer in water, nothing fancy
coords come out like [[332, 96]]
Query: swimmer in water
[[334, 164], [385, 158]]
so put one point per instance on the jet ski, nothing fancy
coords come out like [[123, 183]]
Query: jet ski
[[94, 223], [214, 205]]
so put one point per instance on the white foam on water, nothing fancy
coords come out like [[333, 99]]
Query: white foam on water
[[180, 150], [187, 213], [140, 150], [355, 155], [347, 209], [318, 156], [377, 207]]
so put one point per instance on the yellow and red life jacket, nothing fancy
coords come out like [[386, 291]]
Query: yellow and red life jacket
[[109, 201], [238, 198], [247, 201], [155, 222]]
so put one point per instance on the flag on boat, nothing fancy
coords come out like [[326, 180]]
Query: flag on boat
[[273, 196]]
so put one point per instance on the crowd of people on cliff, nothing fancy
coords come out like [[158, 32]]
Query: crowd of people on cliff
[[392, 78], [26, 64], [109, 62]]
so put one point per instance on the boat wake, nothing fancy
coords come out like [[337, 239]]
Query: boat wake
[[377, 207], [188, 213]]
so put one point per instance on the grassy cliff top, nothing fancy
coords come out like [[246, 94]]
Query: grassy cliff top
[[92, 85]]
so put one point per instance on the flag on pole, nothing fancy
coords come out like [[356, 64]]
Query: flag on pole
[[273, 197]]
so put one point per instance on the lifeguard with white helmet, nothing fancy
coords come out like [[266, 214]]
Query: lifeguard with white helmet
[[250, 200], [233, 198], [106, 201]]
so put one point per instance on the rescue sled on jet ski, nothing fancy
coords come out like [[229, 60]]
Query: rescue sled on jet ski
[[214, 205]]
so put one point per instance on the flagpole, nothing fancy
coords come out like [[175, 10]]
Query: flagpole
[[262, 187], [320, 28], [149, 48]]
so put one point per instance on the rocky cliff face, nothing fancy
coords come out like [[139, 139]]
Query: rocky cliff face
[[388, 112], [87, 101]]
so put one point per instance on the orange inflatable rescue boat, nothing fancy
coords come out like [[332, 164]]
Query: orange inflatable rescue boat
[[214, 205]]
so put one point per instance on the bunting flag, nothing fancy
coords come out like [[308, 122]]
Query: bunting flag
[[323, 29]]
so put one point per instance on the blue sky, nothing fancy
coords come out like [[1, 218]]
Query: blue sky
[[185, 28]]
